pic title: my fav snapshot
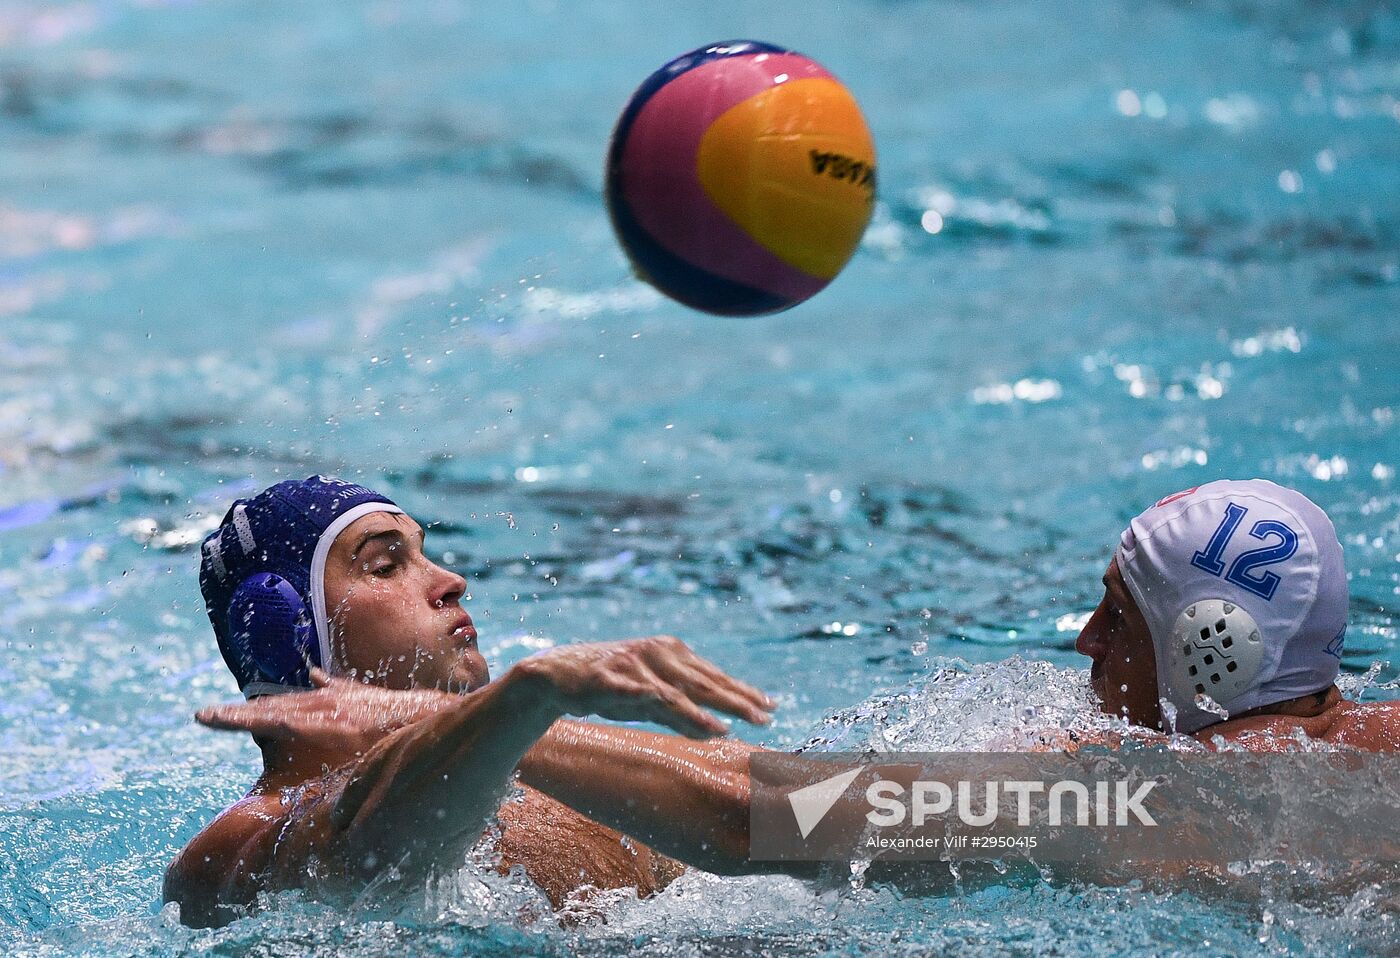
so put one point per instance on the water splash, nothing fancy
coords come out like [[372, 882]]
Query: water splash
[[999, 706]]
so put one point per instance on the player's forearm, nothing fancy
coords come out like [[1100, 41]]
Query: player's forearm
[[428, 789], [686, 798]]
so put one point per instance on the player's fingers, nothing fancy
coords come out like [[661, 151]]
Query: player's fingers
[[688, 720], [726, 700], [681, 713], [754, 694], [679, 653], [696, 672], [739, 687], [640, 695], [232, 718]]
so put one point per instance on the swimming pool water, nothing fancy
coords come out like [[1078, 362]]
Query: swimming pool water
[[1121, 248]]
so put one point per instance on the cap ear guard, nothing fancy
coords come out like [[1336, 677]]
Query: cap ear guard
[[272, 632], [1214, 649]]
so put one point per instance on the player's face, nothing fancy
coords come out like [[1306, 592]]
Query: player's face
[[396, 617], [1124, 673]]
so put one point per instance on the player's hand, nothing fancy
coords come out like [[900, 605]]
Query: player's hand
[[657, 679], [338, 715]]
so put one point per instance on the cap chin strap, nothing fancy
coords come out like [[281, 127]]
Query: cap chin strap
[[1214, 654]]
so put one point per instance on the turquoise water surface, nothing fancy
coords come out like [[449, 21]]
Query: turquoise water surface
[[1121, 248]]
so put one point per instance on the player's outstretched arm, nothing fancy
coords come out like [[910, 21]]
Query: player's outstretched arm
[[427, 790], [686, 799], [422, 793]]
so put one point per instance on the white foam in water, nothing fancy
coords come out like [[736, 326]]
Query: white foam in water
[[478, 896], [1000, 706]]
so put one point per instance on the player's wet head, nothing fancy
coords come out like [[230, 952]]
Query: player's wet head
[[262, 574], [1241, 587]]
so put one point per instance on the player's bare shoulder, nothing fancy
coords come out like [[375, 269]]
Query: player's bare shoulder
[[219, 872], [1372, 726]]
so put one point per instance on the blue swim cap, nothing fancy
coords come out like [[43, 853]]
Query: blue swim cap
[[262, 575]]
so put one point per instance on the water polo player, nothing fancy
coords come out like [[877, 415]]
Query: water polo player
[[1224, 613], [324, 573]]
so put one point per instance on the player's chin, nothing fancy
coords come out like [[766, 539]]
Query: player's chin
[[1108, 703], [1096, 681], [469, 672]]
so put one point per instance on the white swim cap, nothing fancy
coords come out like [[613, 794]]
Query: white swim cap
[[1245, 595]]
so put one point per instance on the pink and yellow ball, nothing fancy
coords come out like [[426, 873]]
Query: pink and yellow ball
[[740, 178]]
